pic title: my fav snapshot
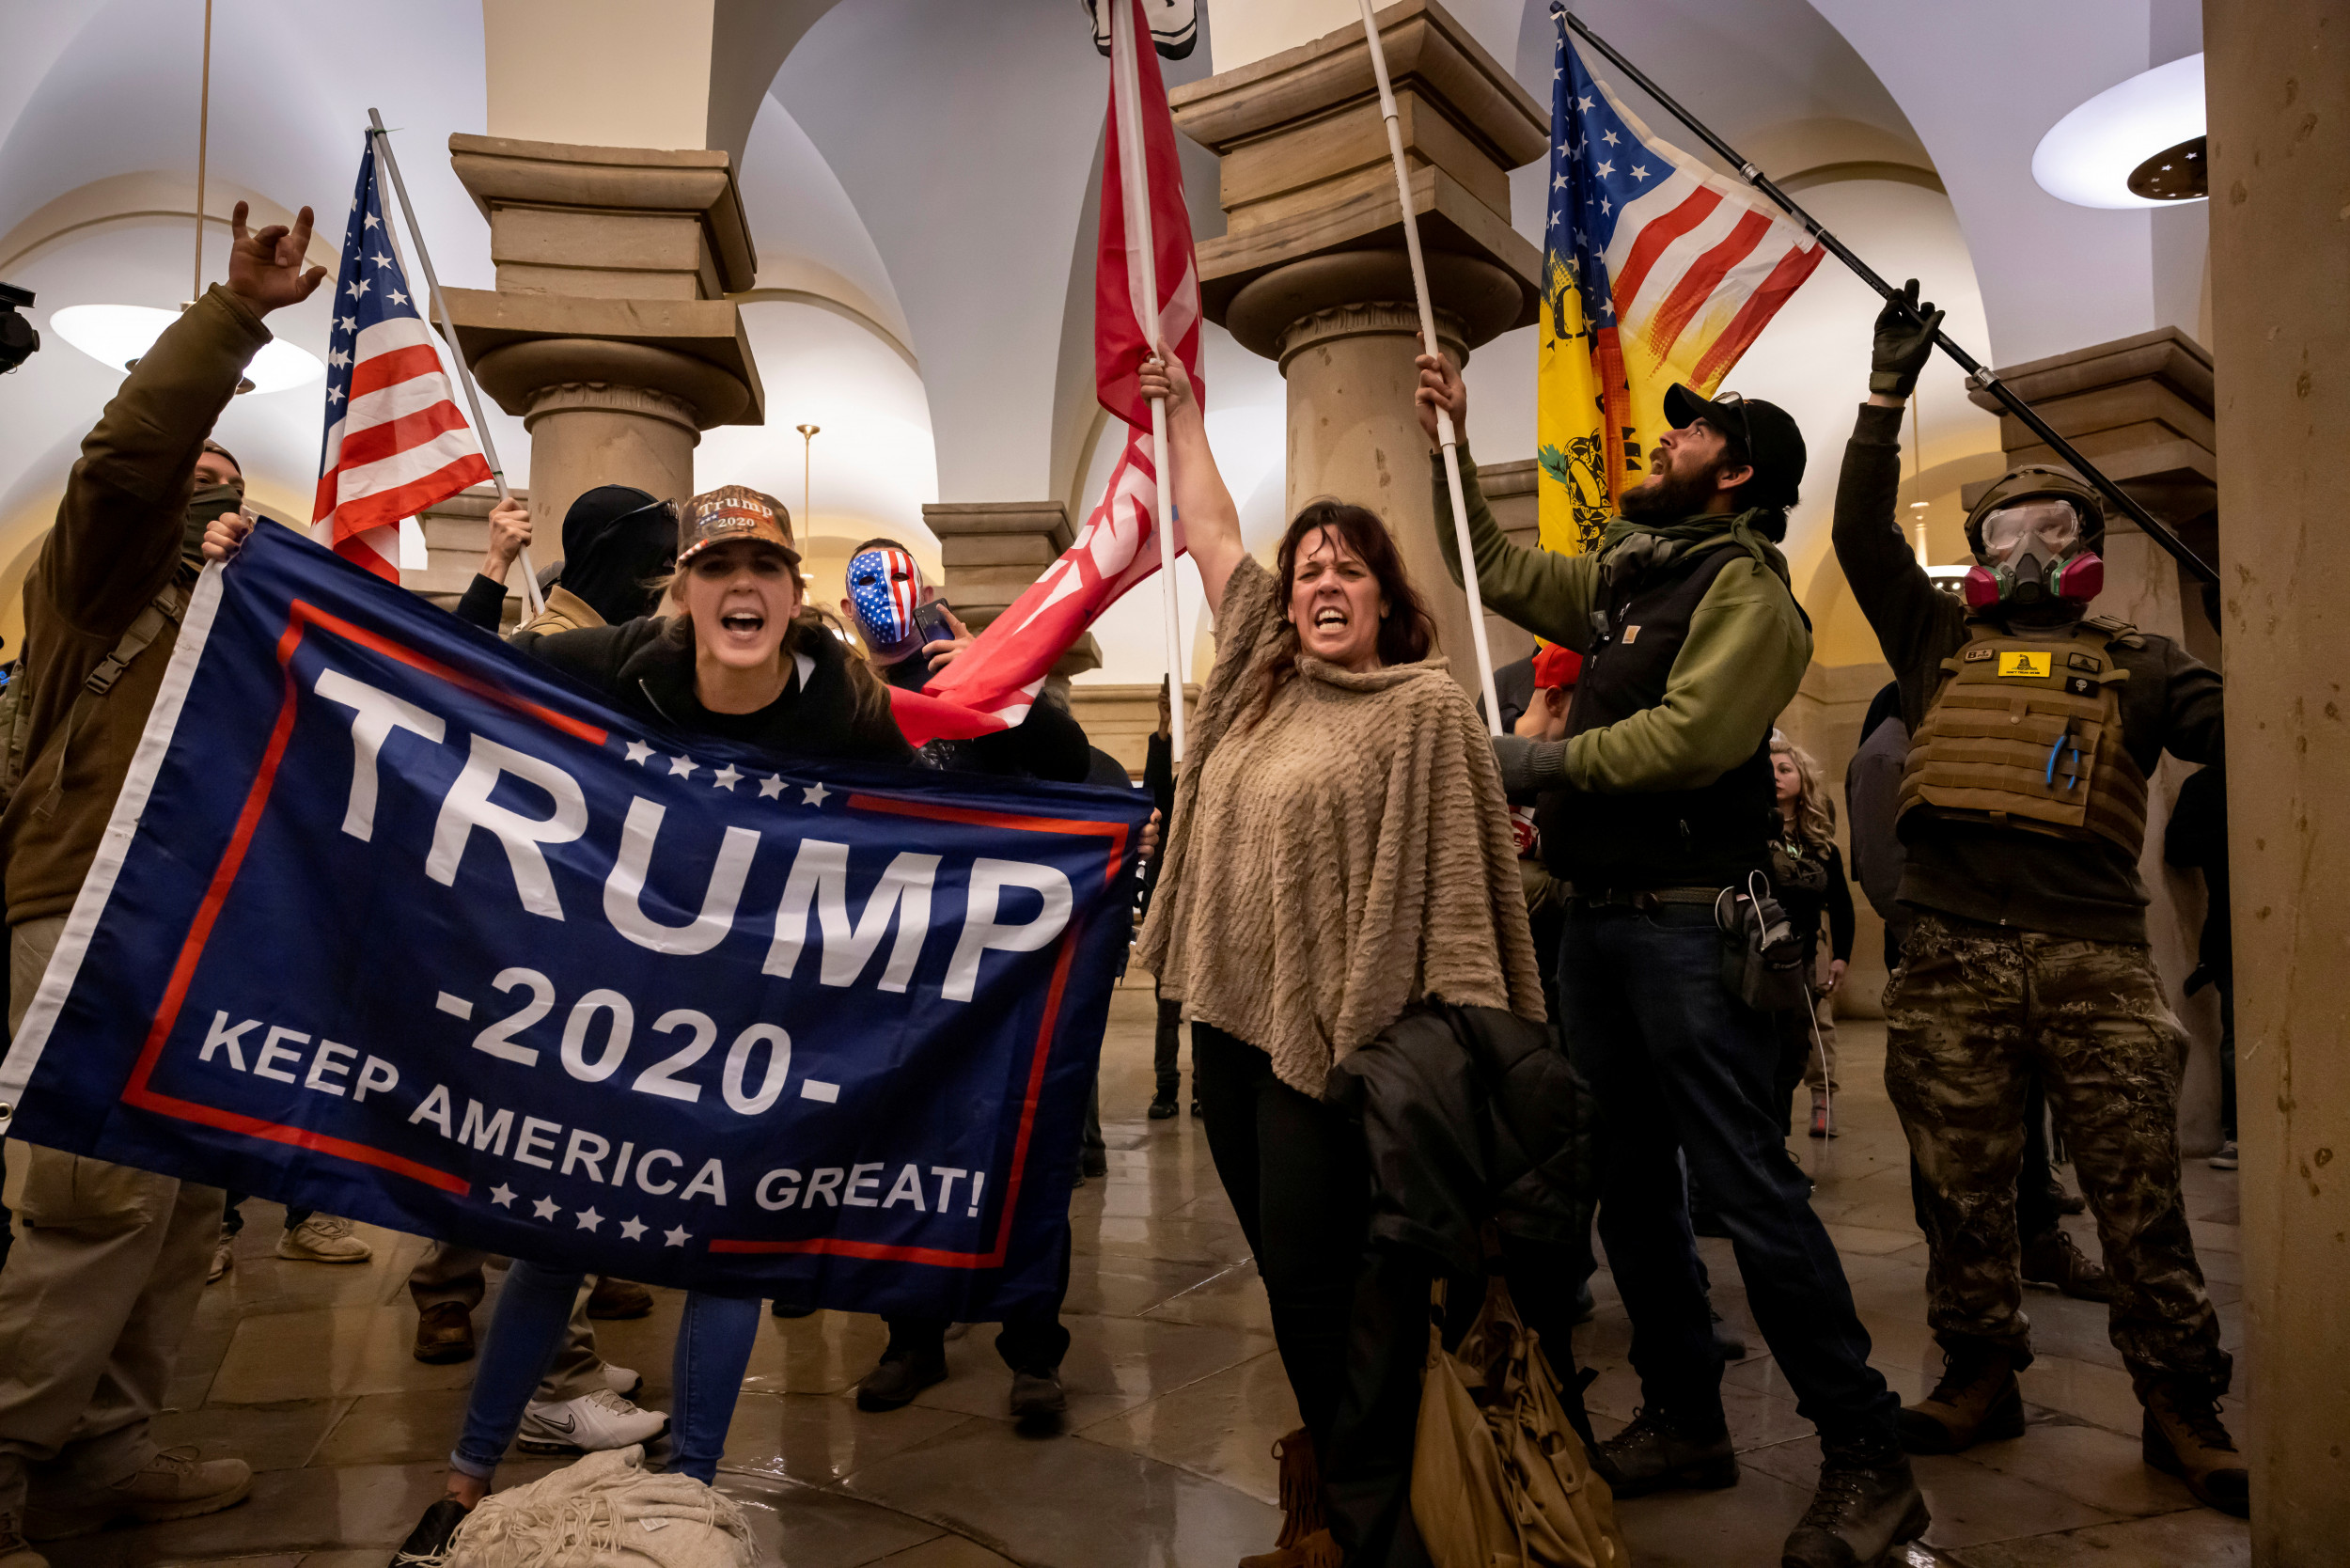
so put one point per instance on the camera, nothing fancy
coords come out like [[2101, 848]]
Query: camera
[[19, 342]]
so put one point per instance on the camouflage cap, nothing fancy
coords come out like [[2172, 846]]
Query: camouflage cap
[[735, 512]]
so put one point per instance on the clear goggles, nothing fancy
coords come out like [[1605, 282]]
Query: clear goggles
[[2040, 525]]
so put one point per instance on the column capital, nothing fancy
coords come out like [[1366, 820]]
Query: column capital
[[994, 552], [1306, 175]]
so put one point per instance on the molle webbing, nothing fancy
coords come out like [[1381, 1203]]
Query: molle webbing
[[2026, 731]]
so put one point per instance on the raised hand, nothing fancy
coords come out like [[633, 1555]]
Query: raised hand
[[510, 536], [946, 650], [1163, 376], [1440, 386], [1903, 343], [265, 269]]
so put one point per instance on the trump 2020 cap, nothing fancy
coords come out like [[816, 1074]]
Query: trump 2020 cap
[[735, 512]]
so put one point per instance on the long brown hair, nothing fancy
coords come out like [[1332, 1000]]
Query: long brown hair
[[867, 697], [1406, 635], [1815, 812]]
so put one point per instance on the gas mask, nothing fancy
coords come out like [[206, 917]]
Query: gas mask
[[886, 594], [204, 506], [2033, 558]]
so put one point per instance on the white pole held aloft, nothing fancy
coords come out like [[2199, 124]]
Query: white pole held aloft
[[1446, 436], [1134, 178], [448, 333]]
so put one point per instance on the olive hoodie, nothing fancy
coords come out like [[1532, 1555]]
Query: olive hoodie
[[114, 547]]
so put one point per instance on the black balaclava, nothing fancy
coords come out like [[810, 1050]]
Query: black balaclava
[[616, 539], [206, 503]]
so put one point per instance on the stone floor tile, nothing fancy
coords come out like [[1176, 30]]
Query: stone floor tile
[[1970, 1504], [415, 1428], [1220, 1427], [1117, 1286], [1744, 1524], [266, 1436], [818, 1439], [328, 1351], [947, 1551], [368, 1505], [1021, 1497], [805, 1527], [1113, 1364], [1232, 1297], [2193, 1538], [822, 1354], [2102, 1468]]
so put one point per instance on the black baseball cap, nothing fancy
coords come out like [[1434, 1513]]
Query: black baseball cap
[[1766, 432]]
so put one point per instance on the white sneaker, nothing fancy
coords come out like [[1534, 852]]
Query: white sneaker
[[622, 1381], [587, 1424], [2225, 1159], [323, 1239]]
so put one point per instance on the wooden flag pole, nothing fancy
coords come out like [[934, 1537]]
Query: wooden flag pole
[[1447, 437], [448, 333], [1134, 178]]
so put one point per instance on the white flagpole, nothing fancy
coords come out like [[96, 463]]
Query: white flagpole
[[1134, 178], [1446, 436], [448, 332]]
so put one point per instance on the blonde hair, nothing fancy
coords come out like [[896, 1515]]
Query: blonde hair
[[1815, 814], [867, 697]]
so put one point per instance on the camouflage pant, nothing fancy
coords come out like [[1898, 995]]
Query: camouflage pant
[[1969, 1010]]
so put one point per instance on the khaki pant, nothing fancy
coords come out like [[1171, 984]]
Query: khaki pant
[[97, 1296], [451, 1273]]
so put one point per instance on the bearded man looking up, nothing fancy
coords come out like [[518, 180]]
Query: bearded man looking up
[[1657, 809]]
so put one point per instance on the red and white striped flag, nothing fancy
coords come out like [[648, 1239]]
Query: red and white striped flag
[[396, 442], [999, 675]]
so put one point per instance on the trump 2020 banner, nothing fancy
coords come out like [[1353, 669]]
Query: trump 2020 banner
[[393, 921]]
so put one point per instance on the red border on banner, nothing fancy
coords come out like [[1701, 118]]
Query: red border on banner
[[303, 616]]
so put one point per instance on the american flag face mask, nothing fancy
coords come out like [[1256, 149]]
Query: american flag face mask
[[885, 587]]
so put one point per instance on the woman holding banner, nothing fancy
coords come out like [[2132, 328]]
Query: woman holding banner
[[1341, 850], [740, 658]]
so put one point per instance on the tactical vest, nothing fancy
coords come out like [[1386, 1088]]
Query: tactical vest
[[2024, 731], [1708, 837]]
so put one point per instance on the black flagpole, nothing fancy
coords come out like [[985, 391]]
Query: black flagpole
[[2159, 532]]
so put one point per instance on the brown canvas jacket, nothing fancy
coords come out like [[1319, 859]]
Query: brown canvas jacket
[[114, 548]]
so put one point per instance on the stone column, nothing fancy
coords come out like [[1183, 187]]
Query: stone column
[[609, 332], [1312, 269], [2277, 82], [2140, 408]]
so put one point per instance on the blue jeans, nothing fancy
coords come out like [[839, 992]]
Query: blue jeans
[[1682, 1067], [713, 1344]]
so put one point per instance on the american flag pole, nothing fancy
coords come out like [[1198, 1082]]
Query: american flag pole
[[448, 333], [1134, 177], [1447, 437]]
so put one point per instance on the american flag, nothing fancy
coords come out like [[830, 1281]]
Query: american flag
[[1657, 269], [394, 442]]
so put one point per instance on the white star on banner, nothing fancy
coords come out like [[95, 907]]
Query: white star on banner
[[678, 1237], [814, 796], [396, 297], [338, 358], [1605, 209], [349, 323], [632, 1229], [1605, 170], [380, 260], [1554, 218], [1609, 137], [546, 1208], [503, 1196], [334, 394], [358, 286], [638, 751], [725, 778], [682, 767], [1639, 171], [588, 1219], [1584, 104], [1566, 150], [1558, 183], [371, 219], [771, 788]]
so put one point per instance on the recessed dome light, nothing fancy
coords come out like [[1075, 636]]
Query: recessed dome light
[[2094, 156], [120, 334]]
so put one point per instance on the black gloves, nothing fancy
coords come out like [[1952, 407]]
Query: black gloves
[[1530, 767], [1905, 341]]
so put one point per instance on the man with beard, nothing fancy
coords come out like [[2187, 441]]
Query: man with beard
[[1658, 811]]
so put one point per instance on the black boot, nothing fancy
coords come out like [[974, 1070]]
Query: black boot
[[903, 1372], [1660, 1452], [1867, 1503], [1162, 1107]]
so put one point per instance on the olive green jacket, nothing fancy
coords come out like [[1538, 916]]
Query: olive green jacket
[[1745, 655]]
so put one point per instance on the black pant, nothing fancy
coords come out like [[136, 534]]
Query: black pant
[[1352, 1324], [232, 1219], [1033, 1340], [1163, 1049]]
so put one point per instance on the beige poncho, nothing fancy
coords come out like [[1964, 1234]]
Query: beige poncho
[[1337, 859]]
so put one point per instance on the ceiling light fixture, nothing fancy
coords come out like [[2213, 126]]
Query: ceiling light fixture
[[2138, 143]]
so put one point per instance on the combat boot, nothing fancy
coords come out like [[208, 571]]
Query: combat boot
[[1976, 1402], [1660, 1452], [1867, 1503], [2053, 1260], [2184, 1436]]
